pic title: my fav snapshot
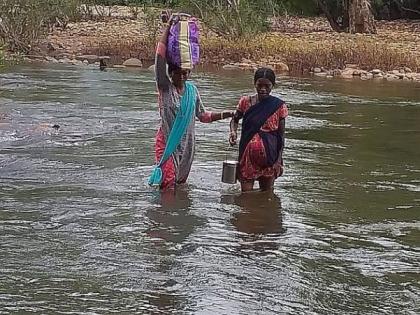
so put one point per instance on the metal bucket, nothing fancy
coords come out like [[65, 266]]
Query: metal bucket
[[230, 172]]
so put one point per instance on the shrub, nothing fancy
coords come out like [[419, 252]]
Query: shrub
[[23, 22]]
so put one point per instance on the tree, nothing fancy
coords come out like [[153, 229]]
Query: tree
[[354, 16], [361, 18]]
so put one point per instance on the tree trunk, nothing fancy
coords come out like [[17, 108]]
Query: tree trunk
[[361, 18], [331, 19]]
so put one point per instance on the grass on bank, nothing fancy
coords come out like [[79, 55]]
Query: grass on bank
[[299, 53]]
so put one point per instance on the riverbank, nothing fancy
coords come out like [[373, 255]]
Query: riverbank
[[295, 45]]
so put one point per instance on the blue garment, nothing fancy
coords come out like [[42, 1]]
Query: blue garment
[[254, 119], [179, 127]]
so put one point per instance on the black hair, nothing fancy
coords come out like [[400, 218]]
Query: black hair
[[265, 73], [172, 67]]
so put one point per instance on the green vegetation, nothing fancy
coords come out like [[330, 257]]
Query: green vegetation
[[23, 22]]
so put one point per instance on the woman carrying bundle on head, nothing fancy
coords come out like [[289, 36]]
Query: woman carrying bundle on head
[[262, 138], [179, 103]]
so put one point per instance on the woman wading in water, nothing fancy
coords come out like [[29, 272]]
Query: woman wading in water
[[179, 105], [262, 137]]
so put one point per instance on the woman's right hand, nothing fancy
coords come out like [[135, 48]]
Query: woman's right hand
[[233, 137]]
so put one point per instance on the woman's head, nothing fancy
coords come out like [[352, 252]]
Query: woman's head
[[178, 75], [264, 81]]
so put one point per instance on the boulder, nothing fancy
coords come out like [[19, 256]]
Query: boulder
[[391, 77], [133, 62], [348, 73], [366, 76], [76, 62], [64, 60], [51, 59], [376, 71], [230, 67], [89, 58], [336, 72], [357, 72], [281, 67]]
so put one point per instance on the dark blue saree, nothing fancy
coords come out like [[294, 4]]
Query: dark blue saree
[[254, 118]]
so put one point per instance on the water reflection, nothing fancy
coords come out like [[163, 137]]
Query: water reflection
[[171, 224], [258, 221]]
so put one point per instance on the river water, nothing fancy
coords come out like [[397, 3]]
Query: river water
[[82, 233]]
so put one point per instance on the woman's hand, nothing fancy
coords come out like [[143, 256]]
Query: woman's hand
[[227, 114], [233, 137]]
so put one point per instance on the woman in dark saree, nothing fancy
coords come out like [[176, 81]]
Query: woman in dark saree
[[262, 138]]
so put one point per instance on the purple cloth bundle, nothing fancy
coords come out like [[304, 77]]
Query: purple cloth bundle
[[183, 48]]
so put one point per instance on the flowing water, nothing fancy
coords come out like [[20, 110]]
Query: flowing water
[[82, 233]]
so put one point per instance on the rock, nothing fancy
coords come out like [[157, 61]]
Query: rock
[[357, 73], [244, 60], [348, 73], [391, 77], [104, 57], [132, 62], [281, 67], [317, 70], [320, 74], [151, 68], [90, 58], [230, 67], [118, 66], [407, 69], [376, 71], [366, 76], [85, 62], [395, 71], [378, 76], [336, 72], [76, 62], [51, 59], [244, 65], [64, 60], [410, 75]]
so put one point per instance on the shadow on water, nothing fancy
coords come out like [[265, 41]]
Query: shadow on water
[[258, 220], [171, 224]]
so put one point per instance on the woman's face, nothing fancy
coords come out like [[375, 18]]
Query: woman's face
[[263, 87], [179, 76]]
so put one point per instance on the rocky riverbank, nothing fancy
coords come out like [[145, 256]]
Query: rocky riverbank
[[295, 45]]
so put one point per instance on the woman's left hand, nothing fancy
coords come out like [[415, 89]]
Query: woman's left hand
[[233, 137]]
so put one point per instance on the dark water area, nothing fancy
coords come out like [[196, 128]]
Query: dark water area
[[82, 233]]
